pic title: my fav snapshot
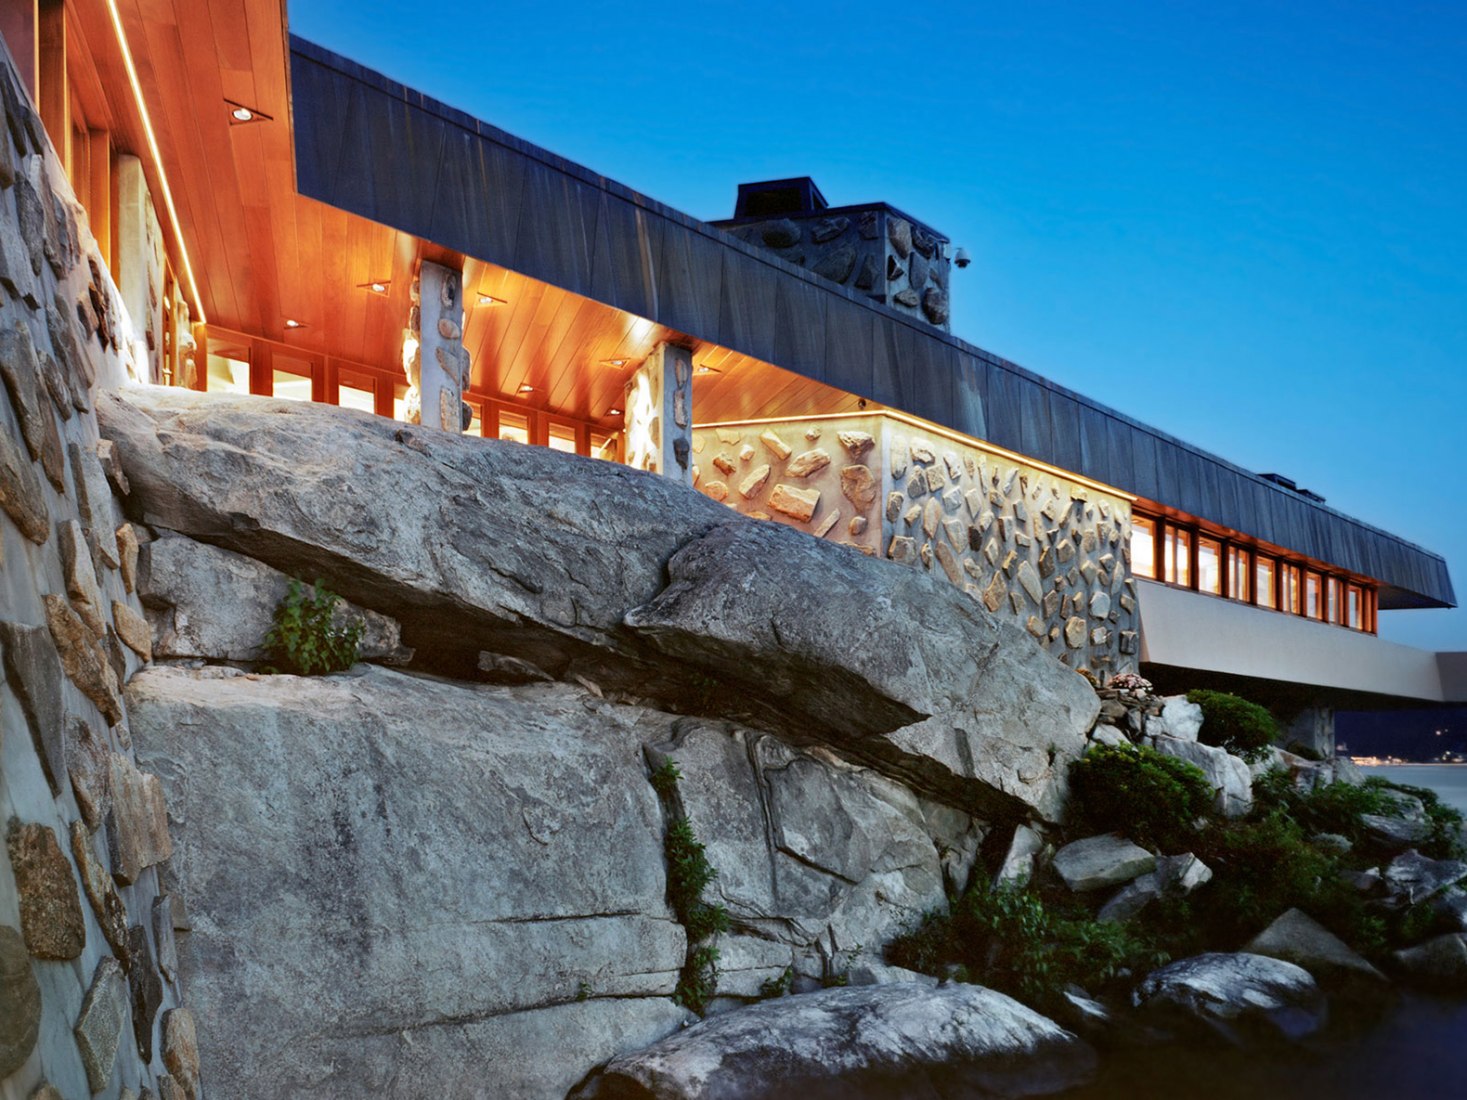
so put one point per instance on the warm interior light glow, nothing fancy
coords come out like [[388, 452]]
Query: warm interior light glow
[[490, 300], [613, 412], [527, 388], [137, 94], [292, 323], [242, 114], [1143, 546], [377, 288]]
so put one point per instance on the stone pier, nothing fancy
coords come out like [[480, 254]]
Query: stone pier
[[433, 354], [659, 414]]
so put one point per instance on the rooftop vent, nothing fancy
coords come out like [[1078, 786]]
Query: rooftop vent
[[777, 198], [1288, 483]]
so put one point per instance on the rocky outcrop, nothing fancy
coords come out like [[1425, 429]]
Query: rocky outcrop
[[205, 602], [1228, 775], [564, 563], [881, 1041], [1439, 963], [1100, 861], [488, 873], [1239, 997], [997, 728], [1297, 938]]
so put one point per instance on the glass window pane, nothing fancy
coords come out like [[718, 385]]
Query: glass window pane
[[1354, 608], [1178, 555], [290, 386], [228, 373], [562, 438], [603, 446], [515, 426], [1292, 592], [1238, 573], [1263, 572], [1332, 599], [352, 397], [399, 403], [476, 421], [1143, 547], [1209, 565], [1313, 602]]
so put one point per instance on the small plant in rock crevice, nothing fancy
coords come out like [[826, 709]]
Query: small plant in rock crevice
[[305, 639], [688, 874]]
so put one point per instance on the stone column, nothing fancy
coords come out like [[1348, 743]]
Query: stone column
[[659, 414], [433, 355]]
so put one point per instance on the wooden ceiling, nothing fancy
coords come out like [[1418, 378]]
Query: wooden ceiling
[[262, 253]]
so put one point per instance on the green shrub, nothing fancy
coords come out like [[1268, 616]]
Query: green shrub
[[1242, 728], [688, 869], [304, 640], [1264, 867], [1152, 798], [1007, 938], [770, 988], [665, 777], [688, 874]]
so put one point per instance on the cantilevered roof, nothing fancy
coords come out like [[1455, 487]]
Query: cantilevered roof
[[375, 148]]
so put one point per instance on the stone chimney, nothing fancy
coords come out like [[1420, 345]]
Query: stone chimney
[[872, 248]]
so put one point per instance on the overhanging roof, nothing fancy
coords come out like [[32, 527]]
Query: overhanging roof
[[371, 146]]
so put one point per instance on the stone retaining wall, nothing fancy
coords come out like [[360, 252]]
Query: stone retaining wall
[[1049, 552], [88, 1004]]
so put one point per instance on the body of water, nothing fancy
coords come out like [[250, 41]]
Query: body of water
[[1447, 780], [1415, 1050]]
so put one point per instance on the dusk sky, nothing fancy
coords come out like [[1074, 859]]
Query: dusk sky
[[1243, 223]]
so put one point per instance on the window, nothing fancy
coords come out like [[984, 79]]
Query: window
[[1291, 596], [1177, 556], [515, 426], [1143, 547], [1209, 565], [603, 446], [399, 402], [290, 386], [1238, 587], [229, 371], [353, 397], [1263, 574], [1314, 595], [1354, 607], [562, 437], [1332, 599], [476, 419]]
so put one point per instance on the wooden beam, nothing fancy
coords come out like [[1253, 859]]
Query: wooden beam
[[55, 91]]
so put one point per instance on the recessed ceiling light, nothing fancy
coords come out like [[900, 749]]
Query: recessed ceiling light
[[239, 114], [616, 362], [613, 412], [378, 286], [291, 322], [490, 300], [704, 368], [527, 388]]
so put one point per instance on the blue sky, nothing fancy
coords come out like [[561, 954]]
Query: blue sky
[[1244, 223]]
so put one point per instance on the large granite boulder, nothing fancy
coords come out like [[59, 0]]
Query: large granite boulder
[[219, 605], [820, 862], [562, 562], [1238, 997], [1006, 719], [401, 885], [1412, 877], [1439, 963], [856, 1043], [1228, 775], [1100, 861], [1298, 938]]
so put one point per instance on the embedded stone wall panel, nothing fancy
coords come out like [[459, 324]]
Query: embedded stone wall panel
[[84, 854], [820, 475], [1037, 549]]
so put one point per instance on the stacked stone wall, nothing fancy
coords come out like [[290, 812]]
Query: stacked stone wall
[[88, 1004], [1047, 552], [876, 251]]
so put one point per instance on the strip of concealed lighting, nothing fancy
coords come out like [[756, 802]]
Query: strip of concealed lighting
[[137, 94]]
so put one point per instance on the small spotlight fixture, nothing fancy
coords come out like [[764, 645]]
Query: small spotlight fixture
[[240, 115], [291, 322], [490, 300], [704, 368], [377, 286], [613, 412], [526, 388], [615, 362]]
